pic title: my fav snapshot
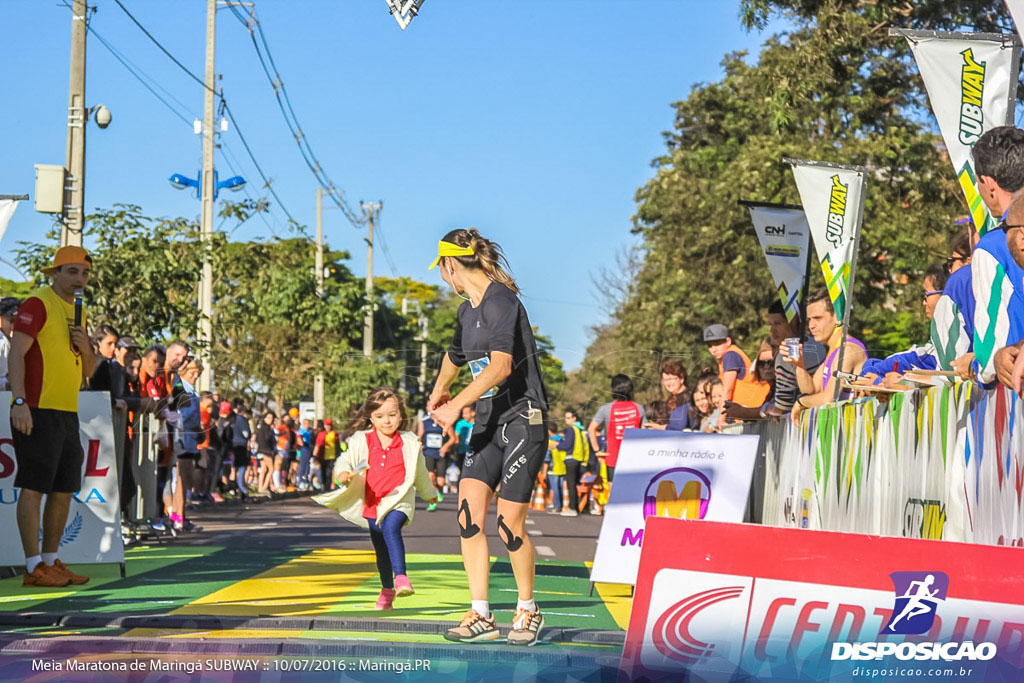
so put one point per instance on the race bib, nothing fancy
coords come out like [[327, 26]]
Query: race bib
[[434, 440], [476, 367]]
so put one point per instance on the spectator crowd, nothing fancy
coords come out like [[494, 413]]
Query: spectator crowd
[[214, 448]]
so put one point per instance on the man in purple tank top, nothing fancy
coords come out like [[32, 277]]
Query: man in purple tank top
[[819, 388]]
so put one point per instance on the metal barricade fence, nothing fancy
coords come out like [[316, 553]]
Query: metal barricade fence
[[939, 463]]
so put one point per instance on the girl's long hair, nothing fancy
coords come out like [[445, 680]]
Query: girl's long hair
[[376, 398], [487, 256]]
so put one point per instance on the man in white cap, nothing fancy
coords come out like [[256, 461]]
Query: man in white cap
[[50, 357]]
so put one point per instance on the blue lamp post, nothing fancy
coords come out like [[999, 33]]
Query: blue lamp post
[[181, 182]]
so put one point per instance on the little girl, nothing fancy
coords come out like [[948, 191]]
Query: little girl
[[377, 475]]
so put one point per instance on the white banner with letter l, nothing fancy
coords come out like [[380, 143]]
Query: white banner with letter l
[[92, 533], [7, 208], [684, 475], [832, 196], [971, 80], [785, 239]]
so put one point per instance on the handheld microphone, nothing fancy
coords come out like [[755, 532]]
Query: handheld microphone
[[78, 307]]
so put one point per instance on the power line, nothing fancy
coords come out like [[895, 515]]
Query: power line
[[147, 81], [162, 48], [288, 112], [224, 105], [252, 157]]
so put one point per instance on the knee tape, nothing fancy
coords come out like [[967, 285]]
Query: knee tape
[[467, 530], [511, 541]]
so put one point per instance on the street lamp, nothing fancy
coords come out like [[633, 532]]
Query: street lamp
[[181, 182]]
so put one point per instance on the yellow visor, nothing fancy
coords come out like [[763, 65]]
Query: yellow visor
[[449, 249]]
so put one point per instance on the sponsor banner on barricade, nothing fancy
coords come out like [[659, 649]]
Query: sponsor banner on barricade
[[93, 531], [891, 469], [832, 197], [790, 604], [785, 239], [971, 80], [681, 475]]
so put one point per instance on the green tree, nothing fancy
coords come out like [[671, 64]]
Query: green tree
[[836, 88]]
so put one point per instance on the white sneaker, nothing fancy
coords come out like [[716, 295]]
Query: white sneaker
[[570, 513]]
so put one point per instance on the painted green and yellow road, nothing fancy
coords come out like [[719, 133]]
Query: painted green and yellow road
[[197, 581]]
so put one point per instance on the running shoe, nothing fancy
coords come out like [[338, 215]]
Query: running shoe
[[570, 513], [217, 498], [76, 579], [440, 498], [403, 587], [526, 628], [473, 628], [45, 576], [432, 507], [386, 598]]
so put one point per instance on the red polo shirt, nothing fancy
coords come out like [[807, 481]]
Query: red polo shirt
[[386, 472]]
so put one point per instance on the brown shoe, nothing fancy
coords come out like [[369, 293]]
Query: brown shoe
[[45, 576], [76, 579]]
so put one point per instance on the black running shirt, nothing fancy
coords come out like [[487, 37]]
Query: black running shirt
[[499, 323]]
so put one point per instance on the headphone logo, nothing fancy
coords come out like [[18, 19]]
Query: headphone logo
[[678, 493]]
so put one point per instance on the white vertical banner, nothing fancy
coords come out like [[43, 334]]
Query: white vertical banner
[[7, 207], [971, 80], [833, 200], [1016, 8], [785, 239], [92, 533]]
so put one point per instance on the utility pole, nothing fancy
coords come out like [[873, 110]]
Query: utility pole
[[207, 187], [370, 210], [402, 384], [74, 188], [318, 381], [424, 331]]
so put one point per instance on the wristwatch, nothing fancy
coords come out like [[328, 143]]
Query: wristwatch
[[18, 401]]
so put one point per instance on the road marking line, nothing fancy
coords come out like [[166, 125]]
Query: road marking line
[[545, 551], [536, 532], [530, 521], [306, 585]]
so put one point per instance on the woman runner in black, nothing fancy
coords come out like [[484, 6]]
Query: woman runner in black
[[508, 443]]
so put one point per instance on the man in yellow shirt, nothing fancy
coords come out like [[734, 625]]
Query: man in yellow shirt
[[50, 357]]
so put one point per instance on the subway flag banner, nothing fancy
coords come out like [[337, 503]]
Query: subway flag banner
[[680, 475], [831, 196], [92, 533], [971, 81], [785, 238]]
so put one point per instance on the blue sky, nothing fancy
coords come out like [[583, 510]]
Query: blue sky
[[533, 120]]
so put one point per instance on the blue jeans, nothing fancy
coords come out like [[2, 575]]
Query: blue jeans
[[389, 546], [556, 490], [306, 453]]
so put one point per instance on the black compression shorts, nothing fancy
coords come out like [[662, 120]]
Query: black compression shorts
[[510, 455]]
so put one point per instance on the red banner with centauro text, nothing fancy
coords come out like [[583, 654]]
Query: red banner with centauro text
[[793, 604]]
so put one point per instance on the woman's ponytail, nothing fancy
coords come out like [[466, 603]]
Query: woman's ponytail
[[487, 256]]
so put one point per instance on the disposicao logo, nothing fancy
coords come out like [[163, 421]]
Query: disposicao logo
[[972, 87], [672, 637], [679, 493], [836, 211], [918, 595]]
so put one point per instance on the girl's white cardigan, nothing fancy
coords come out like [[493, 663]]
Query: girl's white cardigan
[[348, 500]]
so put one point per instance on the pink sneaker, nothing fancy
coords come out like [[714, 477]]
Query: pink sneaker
[[403, 587], [217, 498], [387, 597]]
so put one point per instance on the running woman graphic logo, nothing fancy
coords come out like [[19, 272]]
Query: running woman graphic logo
[[672, 637], [918, 595]]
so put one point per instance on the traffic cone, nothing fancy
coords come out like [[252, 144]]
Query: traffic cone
[[538, 498]]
